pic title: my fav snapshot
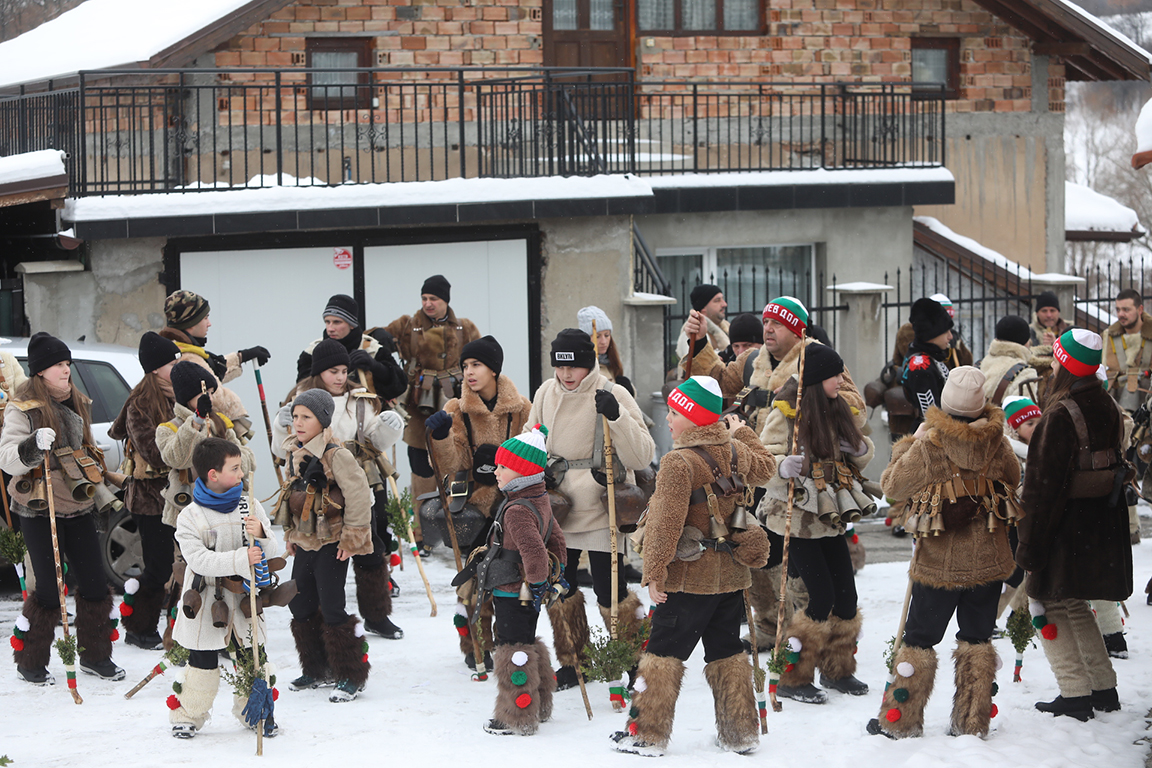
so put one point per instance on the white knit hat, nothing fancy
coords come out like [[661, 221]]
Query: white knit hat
[[945, 302], [586, 316], [964, 392]]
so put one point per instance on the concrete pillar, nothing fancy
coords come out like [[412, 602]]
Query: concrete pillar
[[1065, 287]]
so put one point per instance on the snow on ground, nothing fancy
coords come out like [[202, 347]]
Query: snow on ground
[[41, 164], [420, 707], [1086, 210]]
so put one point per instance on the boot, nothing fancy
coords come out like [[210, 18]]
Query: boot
[[517, 670], [191, 708], [653, 707], [569, 636], [347, 658], [737, 723], [796, 680], [140, 625], [1116, 644], [975, 676], [1106, 701], [32, 659], [630, 618], [374, 596], [838, 657], [310, 649], [902, 713], [1079, 707], [94, 637], [548, 680]]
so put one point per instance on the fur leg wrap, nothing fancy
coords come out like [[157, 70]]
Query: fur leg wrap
[[813, 637], [196, 695], [310, 646], [838, 657], [654, 705], [569, 629], [975, 674], [487, 641], [763, 597], [902, 713], [346, 656], [373, 592], [518, 686], [737, 719], [94, 628], [38, 639], [145, 611], [630, 618], [547, 680]]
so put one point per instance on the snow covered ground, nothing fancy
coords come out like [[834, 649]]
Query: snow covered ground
[[421, 708]]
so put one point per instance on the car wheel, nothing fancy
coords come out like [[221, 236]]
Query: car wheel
[[123, 552]]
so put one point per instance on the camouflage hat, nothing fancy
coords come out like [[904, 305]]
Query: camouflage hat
[[184, 309]]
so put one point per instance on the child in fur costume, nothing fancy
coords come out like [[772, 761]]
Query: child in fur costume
[[523, 668], [220, 538], [698, 548], [325, 507], [825, 468], [959, 471]]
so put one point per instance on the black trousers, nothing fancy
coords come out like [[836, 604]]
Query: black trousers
[[158, 543], [380, 549], [211, 659], [682, 621], [320, 581], [826, 569], [79, 542], [600, 564], [514, 624], [932, 608]]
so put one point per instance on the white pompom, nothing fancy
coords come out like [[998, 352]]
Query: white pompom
[[999, 662], [22, 623], [359, 631], [860, 634], [795, 645], [641, 613], [519, 658], [640, 685], [114, 613], [181, 673], [904, 669], [1035, 607], [461, 610], [131, 587]]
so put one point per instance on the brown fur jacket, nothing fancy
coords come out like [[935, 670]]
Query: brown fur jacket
[[522, 534], [352, 528], [682, 471], [144, 494], [965, 554], [1119, 359]]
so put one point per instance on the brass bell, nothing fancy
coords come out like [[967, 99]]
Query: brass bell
[[826, 508], [739, 519], [993, 523], [38, 501], [925, 525], [911, 523], [846, 504], [937, 525], [106, 501]]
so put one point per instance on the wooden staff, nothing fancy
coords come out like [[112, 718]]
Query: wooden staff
[[69, 669], [157, 670], [757, 679], [412, 542], [608, 471], [899, 639], [268, 425], [782, 596], [4, 496], [253, 621], [691, 352]]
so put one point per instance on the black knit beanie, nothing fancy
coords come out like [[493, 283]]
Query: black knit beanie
[[702, 294], [1013, 328], [157, 351], [1047, 299], [929, 319], [572, 347], [438, 286], [329, 353], [820, 363], [344, 307], [186, 377], [485, 350], [319, 402], [746, 328], [44, 351]]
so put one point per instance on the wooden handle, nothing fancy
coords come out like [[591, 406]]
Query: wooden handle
[[412, 541]]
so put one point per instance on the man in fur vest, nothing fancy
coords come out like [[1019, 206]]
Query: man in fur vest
[[1006, 368], [708, 301], [1128, 360], [698, 548], [959, 469]]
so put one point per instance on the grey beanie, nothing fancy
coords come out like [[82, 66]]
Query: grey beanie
[[319, 402]]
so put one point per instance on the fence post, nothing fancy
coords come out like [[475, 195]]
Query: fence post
[[279, 136], [695, 141], [460, 119], [83, 136]]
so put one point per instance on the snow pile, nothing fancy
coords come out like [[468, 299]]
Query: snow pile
[[1106, 29], [42, 164], [1086, 210], [980, 250], [1143, 137]]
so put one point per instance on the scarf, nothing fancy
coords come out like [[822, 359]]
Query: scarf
[[220, 502], [518, 483]]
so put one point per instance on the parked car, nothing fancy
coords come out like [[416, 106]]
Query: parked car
[[105, 373]]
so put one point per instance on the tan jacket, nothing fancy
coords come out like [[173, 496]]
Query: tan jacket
[[1002, 356], [352, 528], [19, 455], [381, 428], [177, 439], [1128, 357]]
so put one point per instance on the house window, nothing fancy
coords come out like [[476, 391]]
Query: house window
[[936, 60], [690, 17], [339, 90]]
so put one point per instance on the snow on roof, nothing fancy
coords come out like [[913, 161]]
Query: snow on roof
[[982, 251], [814, 176], [1086, 210], [99, 34], [42, 164], [1121, 38]]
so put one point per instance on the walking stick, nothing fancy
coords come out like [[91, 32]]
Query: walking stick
[[412, 544], [268, 425], [899, 639], [255, 648], [691, 354], [776, 706], [757, 673], [69, 657], [477, 653], [4, 496]]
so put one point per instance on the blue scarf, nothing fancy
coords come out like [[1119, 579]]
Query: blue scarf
[[221, 502]]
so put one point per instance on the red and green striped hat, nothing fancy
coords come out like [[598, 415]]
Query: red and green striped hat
[[1079, 351], [790, 312], [524, 453], [698, 400], [1019, 410]]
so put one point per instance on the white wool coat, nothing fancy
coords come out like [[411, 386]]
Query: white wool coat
[[383, 429], [1002, 355]]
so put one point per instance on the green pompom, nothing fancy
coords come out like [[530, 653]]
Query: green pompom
[[633, 713], [1040, 621], [178, 688], [519, 677], [995, 689], [364, 647], [792, 656], [459, 621], [900, 694]]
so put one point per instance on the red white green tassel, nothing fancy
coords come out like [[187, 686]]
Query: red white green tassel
[[19, 632], [1040, 620], [70, 673], [23, 586], [1019, 664], [617, 693]]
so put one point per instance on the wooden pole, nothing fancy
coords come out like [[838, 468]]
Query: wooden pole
[[268, 425], [4, 496], [756, 678], [412, 542], [253, 622], [692, 339], [69, 669]]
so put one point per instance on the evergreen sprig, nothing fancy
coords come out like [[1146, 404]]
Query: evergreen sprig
[[609, 660], [890, 653], [243, 673], [12, 546], [177, 655], [399, 512], [776, 660], [1020, 631], [68, 649]]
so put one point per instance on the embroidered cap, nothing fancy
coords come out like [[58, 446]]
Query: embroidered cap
[[790, 312], [1079, 351], [1019, 410], [698, 400], [524, 453]]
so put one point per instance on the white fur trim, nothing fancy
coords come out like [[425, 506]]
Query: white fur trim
[[131, 587], [115, 612], [22, 623], [904, 669], [640, 685], [795, 645], [641, 612], [519, 658], [999, 662]]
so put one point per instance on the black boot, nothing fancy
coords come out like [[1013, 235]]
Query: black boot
[[1116, 644], [470, 661], [374, 596], [1079, 707], [566, 678], [1105, 701]]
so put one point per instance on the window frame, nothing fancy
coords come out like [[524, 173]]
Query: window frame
[[719, 31], [362, 47], [952, 46]]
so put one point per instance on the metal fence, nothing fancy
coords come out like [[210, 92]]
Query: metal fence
[[1095, 305]]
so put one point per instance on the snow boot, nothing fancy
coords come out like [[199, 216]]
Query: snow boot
[[374, 596], [566, 678], [838, 656], [807, 639], [569, 637], [517, 671], [94, 637], [737, 722], [1079, 707], [1106, 701], [310, 649], [140, 624], [1116, 644], [470, 661], [190, 709], [975, 675], [347, 658], [36, 628], [902, 713], [653, 707]]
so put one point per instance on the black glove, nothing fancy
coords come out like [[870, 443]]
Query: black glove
[[1140, 415], [599, 476], [259, 354], [440, 423], [361, 360], [539, 592], [606, 404], [484, 464], [312, 472], [387, 343], [218, 364], [204, 406], [626, 382]]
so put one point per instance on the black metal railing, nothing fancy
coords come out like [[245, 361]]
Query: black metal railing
[[647, 277], [42, 121]]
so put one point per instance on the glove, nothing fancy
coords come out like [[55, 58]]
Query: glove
[[599, 476], [606, 404], [204, 406], [392, 420], [440, 423], [790, 467], [853, 450], [484, 464], [361, 360], [218, 365], [312, 472], [45, 437], [284, 417], [387, 343], [539, 592], [259, 354]]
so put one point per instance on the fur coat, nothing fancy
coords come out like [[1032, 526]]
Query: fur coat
[[144, 491], [352, 528], [522, 535], [11, 375], [177, 438], [1073, 548], [19, 455], [1124, 352], [670, 514], [508, 417], [1002, 356], [223, 399], [965, 554]]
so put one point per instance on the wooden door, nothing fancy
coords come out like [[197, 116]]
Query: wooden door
[[587, 33]]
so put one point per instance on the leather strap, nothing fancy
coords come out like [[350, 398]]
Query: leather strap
[[1005, 382], [1089, 460], [721, 485]]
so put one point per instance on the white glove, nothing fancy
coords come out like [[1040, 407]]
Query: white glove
[[790, 467], [284, 417], [45, 437], [392, 421]]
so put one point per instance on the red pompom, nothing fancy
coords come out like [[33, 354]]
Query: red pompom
[[1049, 631], [17, 643], [888, 522], [523, 700], [394, 560], [125, 609], [855, 538], [995, 711], [172, 701], [632, 728], [275, 694], [115, 635], [364, 658], [892, 715], [790, 667]]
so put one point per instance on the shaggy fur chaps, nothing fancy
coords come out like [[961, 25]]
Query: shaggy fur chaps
[[838, 656], [975, 675], [914, 689], [94, 628], [145, 611], [346, 657], [569, 629], [310, 646], [38, 639], [813, 637], [487, 641], [373, 592], [657, 689], [518, 686], [737, 722]]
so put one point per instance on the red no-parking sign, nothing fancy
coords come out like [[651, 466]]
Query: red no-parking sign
[[342, 258]]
